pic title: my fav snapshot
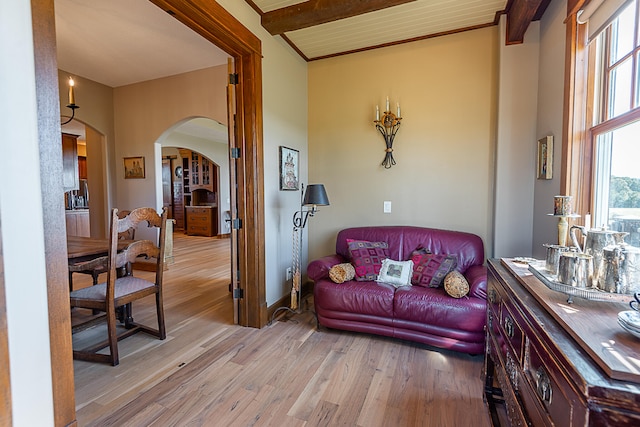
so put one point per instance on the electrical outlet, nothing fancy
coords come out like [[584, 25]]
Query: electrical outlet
[[289, 274], [387, 206]]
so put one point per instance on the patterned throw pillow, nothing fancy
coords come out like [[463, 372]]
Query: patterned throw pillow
[[430, 269], [456, 285], [396, 273], [341, 273], [367, 258]]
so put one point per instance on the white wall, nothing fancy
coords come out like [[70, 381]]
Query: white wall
[[516, 143], [22, 228], [550, 109]]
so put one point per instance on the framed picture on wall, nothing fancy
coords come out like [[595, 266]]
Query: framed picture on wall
[[289, 169], [133, 167], [545, 157]]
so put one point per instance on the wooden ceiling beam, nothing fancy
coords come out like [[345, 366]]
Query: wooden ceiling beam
[[315, 12], [520, 13]]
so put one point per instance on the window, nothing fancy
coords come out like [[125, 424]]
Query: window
[[614, 128]]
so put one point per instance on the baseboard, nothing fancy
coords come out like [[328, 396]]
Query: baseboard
[[285, 301]]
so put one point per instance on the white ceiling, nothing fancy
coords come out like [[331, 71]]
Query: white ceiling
[[407, 21], [120, 42]]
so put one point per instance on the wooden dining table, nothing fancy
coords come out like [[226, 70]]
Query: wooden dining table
[[87, 248]]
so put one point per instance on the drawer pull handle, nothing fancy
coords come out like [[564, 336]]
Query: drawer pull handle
[[492, 296], [543, 385], [508, 327]]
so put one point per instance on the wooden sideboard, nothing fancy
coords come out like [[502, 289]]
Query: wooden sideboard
[[201, 220], [549, 362]]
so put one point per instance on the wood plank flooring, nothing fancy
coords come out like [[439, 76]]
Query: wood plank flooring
[[209, 372]]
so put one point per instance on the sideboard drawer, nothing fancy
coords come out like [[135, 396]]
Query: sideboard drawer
[[551, 388]]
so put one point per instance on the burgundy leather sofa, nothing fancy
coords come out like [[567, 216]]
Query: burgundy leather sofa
[[415, 313]]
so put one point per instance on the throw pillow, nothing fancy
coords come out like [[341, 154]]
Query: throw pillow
[[420, 250], [430, 269], [367, 258], [456, 285], [341, 273], [396, 273]]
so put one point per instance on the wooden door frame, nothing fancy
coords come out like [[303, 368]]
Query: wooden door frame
[[214, 23]]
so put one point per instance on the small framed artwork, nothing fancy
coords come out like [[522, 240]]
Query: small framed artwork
[[133, 167], [289, 169], [545, 157]]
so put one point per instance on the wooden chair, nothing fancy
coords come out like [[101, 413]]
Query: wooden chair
[[119, 292], [129, 234]]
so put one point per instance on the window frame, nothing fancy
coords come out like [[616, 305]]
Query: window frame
[[581, 109]]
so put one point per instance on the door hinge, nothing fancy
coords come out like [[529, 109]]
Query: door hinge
[[233, 79], [238, 293], [236, 224], [235, 153]]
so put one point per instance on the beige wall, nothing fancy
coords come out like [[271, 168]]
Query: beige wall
[[145, 111], [444, 150], [96, 113], [550, 109], [516, 143]]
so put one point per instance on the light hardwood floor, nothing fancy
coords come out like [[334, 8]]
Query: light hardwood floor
[[209, 372]]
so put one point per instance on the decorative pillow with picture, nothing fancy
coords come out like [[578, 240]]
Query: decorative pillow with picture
[[396, 273]]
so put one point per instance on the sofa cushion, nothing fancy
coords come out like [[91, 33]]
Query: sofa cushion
[[396, 273], [433, 308], [431, 269], [355, 299], [367, 258]]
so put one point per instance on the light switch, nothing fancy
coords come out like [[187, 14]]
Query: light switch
[[387, 206]]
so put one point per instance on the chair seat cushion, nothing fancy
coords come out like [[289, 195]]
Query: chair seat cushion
[[124, 286]]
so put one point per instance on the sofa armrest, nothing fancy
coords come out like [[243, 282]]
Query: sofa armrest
[[476, 275], [319, 268]]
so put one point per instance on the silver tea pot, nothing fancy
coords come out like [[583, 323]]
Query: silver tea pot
[[596, 241]]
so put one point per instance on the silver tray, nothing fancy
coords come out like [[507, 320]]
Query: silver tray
[[551, 281]]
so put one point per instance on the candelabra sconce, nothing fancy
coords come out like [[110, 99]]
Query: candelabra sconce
[[72, 101], [388, 126]]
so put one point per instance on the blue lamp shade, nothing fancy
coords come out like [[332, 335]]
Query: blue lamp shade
[[315, 194]]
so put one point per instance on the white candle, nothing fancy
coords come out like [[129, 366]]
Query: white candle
[[72, 98], [398, 109], [587, 221], [387, 110], [377, 113]]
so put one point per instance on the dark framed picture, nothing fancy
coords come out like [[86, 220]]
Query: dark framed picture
[[545, 158], [289, 169], [133, 167]]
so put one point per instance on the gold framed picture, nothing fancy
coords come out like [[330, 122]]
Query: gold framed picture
[[545, 157], [133, 167]]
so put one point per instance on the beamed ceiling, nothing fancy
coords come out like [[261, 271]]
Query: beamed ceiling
[[319, 29]]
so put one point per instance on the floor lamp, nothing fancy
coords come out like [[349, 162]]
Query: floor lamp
[[314, 196]]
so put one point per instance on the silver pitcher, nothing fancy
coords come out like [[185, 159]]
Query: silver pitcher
[[553, 256], [620, 269], [576, 269], [596, 241]]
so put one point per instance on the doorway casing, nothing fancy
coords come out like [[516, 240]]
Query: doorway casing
[[214, 23]]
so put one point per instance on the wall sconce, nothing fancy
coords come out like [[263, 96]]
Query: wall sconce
[[72, 101], [388, 127]]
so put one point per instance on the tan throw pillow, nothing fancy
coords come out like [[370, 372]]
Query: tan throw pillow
[[341, 273], [456, 285]]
